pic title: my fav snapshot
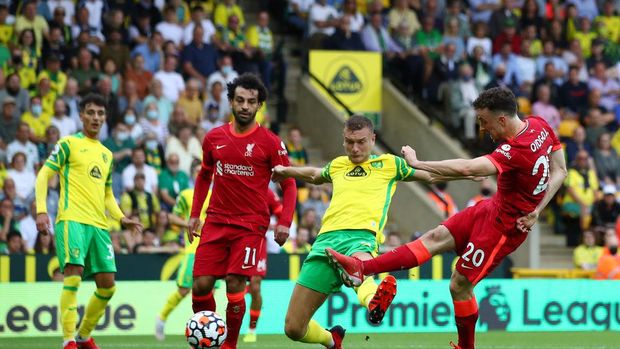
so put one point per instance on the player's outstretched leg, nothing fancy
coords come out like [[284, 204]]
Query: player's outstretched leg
[[171, 303], [382, 299], [465, 309], [337, 336]]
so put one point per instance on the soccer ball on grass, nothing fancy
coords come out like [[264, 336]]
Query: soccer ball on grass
[[205, 329]]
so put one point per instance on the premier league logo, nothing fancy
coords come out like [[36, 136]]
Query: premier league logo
[[494, 309]]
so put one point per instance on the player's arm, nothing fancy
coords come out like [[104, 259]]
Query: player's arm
[[557, 173], [453, 168], [43, 177], [115, 211], [307, 174], [176, 220], [201, 189], [279, 157]]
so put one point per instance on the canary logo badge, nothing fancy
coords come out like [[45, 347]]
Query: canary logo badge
[[357, 172], [377, 164], [345, 81]]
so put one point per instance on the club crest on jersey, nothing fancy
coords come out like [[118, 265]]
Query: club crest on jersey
[[105, 158], [95, 172], [377, 164], [249, 148], [357, 172]]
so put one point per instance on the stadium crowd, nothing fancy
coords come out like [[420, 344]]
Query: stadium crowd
[[163, 67]]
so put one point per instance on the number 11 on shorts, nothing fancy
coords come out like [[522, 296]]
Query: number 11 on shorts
[[250, 258]]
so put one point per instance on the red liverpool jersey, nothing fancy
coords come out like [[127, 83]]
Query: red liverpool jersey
[[241, 167], [523, 166]]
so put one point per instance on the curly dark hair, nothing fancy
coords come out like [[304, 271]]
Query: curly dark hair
[[498, 100], [248, 81], [92, 98], [358, 122]]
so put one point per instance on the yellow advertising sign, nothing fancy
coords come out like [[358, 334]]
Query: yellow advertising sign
[[353, 76]]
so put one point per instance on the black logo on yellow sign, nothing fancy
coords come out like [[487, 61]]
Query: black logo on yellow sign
[[345, 81]]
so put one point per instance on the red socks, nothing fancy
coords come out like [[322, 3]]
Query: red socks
[[466, 315], [234, 318], [404, 257], [254, 315], [200, 303]]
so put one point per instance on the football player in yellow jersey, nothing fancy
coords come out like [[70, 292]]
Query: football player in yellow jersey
[[83, 243], [353, 224], [180, 216]]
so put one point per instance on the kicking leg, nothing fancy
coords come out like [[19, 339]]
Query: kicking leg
[[376, 298], [465, 309], [299, 325]]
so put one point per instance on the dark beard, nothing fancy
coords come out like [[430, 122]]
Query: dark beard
[[242, 122]]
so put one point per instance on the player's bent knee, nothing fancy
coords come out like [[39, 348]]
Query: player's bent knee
[[459, 284], [201, 286], [293, 330], [235, 283]]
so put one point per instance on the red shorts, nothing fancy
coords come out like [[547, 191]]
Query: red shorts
[[481, 243], [229, 249]]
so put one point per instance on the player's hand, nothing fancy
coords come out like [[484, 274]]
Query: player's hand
[[132, 224], [193, 229], [278, 173], [43, 223], [281, 234], [525, 223], [409, 155]]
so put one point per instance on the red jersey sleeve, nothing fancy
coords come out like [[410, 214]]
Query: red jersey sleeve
[[501, 157], [279, 156], [203, 180], [275, 205]]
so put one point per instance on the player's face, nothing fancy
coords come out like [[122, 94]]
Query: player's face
[[93, 118], [245, 105], [490, 123], [358, 144]]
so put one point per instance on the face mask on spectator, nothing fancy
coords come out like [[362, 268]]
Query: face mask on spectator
[[485, 191], [151, 144], [130, 119], [151, 114], [227, 69], [37, 110], [122, 136]]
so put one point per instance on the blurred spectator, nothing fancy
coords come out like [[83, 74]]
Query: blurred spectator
[[608, 267], [486, 192], [92, 35], [598, 55], [231, 40], [526, 65], [586, 255], [458, 96], [140, 203], [261, 44], [585, 36], [296, 151], [113, 115], [8, 224], [154, 152], [212, 118], [170, 28], [23, 176], [28, 227], [66, 126], [61, 20], [31, 20], [186, 147], [13, 89], [164, 105], [548, 78], [110, 71], [481, 69], [217, 99], [149, 245], [297, 15], [442, 199], [454, 11], [138, 166], [226, 9], [172, 82], [344, 38], [545, 109], [401, 14], [130, 99], [151, 123], [9, 121], [606, 161], [172, 181], [146, 9], [299, 244], [573, 92], [225, 74], [57, 79], [199, 60], [116, 50], [482, 10], [429, 38], [481, 39], [52, 135], [508, 35], [315, 201], [505, 13], [310, 221], [72, 101], [139, 76], [609, 88], [85, 73], [444, 68], [198, 18], [20, 205], [530, 14], [609, 21], [130, 119], [392, 241], [505, 75], [48, 97], [44, 244], [595, 122], [151, 51], [22, 144], [581, 185], [322, 20], [606, 210], [451, 36], [191, 103], [178, 120], [6, 24], [15, 243], [350, 9], [115, 20], [377, 39]]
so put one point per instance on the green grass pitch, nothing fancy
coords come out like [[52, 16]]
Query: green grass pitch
[[494, 340]]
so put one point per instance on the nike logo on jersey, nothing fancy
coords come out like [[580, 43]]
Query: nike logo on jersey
[[465, 266], [218, 147], [247, 266]]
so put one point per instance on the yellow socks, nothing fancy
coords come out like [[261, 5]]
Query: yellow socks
[[317, 334], [173, 300], [94, 310], [366, 291], [68, 306]]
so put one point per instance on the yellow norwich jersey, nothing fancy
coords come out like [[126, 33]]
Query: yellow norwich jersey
[[362, 192], [84, 165], [183, 208]]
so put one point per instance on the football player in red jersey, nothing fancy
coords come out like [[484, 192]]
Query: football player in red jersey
[[530, 165], [237, 158]]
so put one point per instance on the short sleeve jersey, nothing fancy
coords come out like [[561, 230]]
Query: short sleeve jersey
[[241, 166], [523, 166], [183, 208], [84, 165], [362, 192]]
